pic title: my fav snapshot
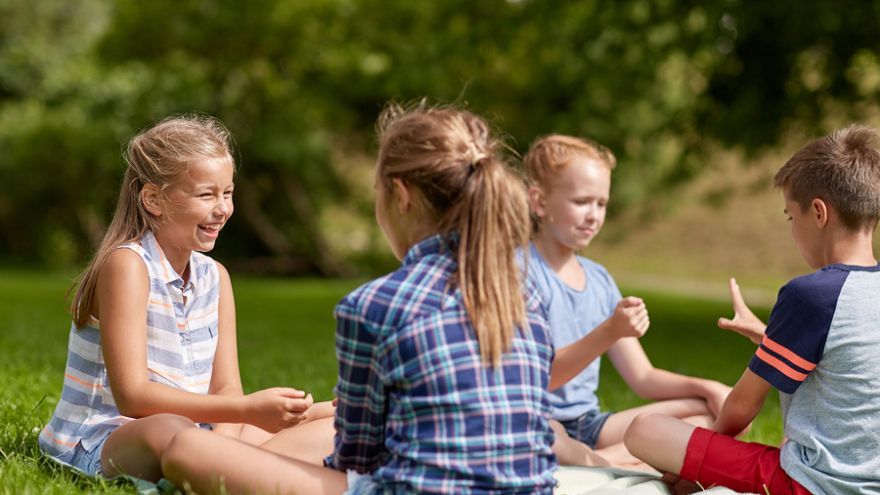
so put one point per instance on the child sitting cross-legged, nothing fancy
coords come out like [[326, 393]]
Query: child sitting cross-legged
[[818, 348]]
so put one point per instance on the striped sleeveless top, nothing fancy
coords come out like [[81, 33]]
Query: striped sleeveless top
[[181, 339]]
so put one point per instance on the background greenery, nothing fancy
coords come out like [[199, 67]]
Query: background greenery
[[299, 83], [286, 338]]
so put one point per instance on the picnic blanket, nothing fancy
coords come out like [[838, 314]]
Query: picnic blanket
[[572, 481], [611, 481]]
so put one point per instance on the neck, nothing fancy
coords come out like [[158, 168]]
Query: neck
[[177, 258], [850, 248], [556, 255]]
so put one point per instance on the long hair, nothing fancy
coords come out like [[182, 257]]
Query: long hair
[[157, 155], [451, 157]]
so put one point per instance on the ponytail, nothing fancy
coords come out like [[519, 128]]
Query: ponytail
[[451, 157]]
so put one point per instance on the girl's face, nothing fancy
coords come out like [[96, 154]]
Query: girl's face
[[572, 207], [197, 207]]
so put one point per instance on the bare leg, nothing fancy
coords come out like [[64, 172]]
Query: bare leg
[[136, 448], [616, 425], [310, 442], [573, 452], [205, 462], [659, 440]]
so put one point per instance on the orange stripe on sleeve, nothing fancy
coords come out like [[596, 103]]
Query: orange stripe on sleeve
[[780, 366], [787, 354]]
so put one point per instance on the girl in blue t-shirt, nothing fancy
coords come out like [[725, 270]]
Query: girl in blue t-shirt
[[570, 180]]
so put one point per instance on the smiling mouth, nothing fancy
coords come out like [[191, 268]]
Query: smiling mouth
[[211, 230]]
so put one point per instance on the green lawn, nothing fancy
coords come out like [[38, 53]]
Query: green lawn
[[286, 338]]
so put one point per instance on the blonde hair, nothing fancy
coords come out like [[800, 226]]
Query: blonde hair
[[550, 154], [842, 168], [157, 155], [453, 160]]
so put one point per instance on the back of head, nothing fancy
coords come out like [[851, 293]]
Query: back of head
[[550, 154], [843, 169], [453, 160], [157, 155]]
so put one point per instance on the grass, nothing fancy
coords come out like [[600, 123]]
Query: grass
[[286, 338]]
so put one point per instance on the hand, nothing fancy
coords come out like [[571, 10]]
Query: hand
[[274, 409], [630, 318], [715, 393], [744, 322]]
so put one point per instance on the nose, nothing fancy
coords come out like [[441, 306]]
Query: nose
[[224, 207]]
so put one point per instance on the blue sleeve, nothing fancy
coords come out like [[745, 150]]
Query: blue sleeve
[[361, 407], [796, 332]]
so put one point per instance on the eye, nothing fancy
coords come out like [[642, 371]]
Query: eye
[[206, 195]]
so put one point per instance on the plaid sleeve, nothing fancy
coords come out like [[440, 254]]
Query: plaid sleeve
[[361, 407]]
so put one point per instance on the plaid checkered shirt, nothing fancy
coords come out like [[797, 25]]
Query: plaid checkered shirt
[[418, 408]]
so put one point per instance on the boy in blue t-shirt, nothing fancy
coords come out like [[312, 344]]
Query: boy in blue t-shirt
[[818, 349]]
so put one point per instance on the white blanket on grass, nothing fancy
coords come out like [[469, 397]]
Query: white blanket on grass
[[611, 481]]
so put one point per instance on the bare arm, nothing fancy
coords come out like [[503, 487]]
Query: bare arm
[[630, 319], [122, 293], [742, 405], [652, 383]]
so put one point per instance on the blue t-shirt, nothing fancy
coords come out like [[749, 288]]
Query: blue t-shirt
[[820, 351], [572, 314]]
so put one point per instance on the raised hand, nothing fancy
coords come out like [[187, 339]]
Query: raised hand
[[744, 322], [630, 318], [274, 409]]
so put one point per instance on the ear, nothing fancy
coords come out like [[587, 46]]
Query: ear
[[402, 194], [151, 198], [820, 211], [536, 200]]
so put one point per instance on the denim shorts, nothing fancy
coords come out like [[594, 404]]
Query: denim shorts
[[82, 461], [586, 428], [360, 484]]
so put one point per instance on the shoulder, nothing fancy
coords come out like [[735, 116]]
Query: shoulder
[[124, 264], [407, 292], [818, 290]]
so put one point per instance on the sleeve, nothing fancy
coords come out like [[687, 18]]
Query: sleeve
[[613, 295], [796, 332], [361, 408]]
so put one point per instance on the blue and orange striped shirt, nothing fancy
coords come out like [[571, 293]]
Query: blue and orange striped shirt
[[418, 408], [181, 338]]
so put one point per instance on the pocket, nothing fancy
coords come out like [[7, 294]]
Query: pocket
[[204, 343]]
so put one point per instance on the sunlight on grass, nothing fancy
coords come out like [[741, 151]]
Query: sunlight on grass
[[285, 336]]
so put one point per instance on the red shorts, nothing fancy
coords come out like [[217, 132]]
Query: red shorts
[[715, 459]]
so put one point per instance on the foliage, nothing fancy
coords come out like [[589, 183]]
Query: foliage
[[300, 84]]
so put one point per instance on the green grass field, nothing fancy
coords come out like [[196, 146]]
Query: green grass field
[[285, 333]]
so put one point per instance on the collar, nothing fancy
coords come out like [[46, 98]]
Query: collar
[[434, 244], [166, 273]]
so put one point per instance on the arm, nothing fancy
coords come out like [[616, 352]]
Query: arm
[[361, 403], [744, 322], [630, 319], [225, 375], [122, 295], [742, 405], [653, 383]]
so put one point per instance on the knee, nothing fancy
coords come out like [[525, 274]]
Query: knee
[[638, 435], [170, 425], [180, 451]]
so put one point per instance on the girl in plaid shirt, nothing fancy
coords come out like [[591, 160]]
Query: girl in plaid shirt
[[443, 364]]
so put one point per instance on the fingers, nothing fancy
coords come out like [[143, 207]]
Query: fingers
[[630, 302], [299, 405], [726, 324], [290, 392], [736, 296]]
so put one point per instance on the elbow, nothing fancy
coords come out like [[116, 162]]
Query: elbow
[[130, 405]]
